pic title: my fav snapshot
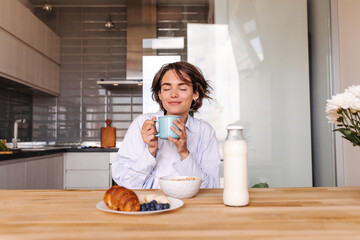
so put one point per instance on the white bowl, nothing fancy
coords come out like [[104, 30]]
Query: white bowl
[[173, 187]]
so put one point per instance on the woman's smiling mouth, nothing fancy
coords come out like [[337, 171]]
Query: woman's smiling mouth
[[174, 102]]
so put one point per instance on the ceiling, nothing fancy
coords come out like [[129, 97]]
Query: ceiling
[[94, 3]]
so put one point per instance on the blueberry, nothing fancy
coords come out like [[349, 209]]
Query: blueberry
[[142, 207], [153, 201], [158, 206], [147, 207], [166, 205], [152, 208]]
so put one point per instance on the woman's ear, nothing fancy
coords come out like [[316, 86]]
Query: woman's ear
[[195, 96], [159, 94]]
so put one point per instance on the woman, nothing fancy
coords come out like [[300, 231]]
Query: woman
[[178, 88]]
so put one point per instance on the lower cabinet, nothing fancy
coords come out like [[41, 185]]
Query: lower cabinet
[[12, 174], [43, 172], [87, 170]]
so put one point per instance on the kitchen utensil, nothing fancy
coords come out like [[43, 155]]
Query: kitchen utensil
[[174, 204], [164, 127], [180, 186], [108, 135]]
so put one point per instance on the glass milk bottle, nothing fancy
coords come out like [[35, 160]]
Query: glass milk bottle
[[235, 152]]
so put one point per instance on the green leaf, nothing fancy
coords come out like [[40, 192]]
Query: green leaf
[[260, 185], [3, 146], [344, 131], [349, 135]]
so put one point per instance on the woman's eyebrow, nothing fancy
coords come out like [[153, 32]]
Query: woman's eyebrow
[[179, 84]]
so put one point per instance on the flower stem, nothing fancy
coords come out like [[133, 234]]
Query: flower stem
[[353, 121], [349, 124]]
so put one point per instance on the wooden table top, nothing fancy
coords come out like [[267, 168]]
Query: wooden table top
[[274, 213]]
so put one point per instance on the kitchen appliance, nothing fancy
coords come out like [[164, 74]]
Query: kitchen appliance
[[134, 50]]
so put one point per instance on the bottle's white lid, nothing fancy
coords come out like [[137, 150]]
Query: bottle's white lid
[[234, 127]]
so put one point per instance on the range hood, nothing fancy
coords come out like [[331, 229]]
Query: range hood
[[136, 20], [113, 83]]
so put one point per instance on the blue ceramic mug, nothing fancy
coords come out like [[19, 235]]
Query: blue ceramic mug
[[164, 126]]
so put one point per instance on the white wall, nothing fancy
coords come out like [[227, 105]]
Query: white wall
[[258, 66], [349, 51]]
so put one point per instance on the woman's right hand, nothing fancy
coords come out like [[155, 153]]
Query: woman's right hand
[[147, 132]]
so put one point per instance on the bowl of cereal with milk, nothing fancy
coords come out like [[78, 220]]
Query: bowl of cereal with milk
[[180, 186]]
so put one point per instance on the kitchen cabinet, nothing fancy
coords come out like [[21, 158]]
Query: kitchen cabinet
[[12, 174], [87, 170], [43, 172], [30, 51]]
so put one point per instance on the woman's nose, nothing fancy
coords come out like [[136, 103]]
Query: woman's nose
[[174, 93]]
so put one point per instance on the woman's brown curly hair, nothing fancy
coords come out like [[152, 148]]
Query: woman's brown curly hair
[[186, 72]]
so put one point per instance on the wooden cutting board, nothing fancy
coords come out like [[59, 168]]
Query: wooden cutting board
[[6, 152], [108, 135], [10, 151]]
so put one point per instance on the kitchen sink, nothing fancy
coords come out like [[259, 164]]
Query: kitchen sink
[[32, 149], [41, 149]]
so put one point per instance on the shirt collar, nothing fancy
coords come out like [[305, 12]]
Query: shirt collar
[[159, 113], [189, 123]]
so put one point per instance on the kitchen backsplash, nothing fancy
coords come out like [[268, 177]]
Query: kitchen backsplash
[[15, 105], [88, 52]]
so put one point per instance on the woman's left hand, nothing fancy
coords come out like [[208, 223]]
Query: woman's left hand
[[181, 143]]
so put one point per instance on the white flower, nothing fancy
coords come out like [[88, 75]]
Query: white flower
[[342, 100], [332, 117], [355, 90], [355, 106], [346, 108], [331, 110]]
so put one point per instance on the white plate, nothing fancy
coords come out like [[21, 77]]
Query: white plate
[[174, 204]]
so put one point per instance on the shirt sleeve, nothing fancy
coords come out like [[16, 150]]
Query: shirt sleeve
[[206, 163], [133, 154]]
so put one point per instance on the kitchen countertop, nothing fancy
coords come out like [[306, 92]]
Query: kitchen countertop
[[34, 152], [273, 213]]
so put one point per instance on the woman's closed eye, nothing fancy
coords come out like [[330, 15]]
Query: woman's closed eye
[[181, 89]]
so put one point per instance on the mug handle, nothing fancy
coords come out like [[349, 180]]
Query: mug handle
[[156, 135]]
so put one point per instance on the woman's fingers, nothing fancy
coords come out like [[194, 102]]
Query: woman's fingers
[[150, 137], [180, 143], [176, 141], [148, 124], [179, 123], [148, 131], [179, 133]]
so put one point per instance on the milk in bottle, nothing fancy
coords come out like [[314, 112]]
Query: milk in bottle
[[235, 153]]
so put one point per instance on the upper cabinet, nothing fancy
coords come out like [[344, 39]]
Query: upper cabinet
[[30, 51]]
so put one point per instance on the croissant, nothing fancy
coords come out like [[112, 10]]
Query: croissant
[[121, 198]]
